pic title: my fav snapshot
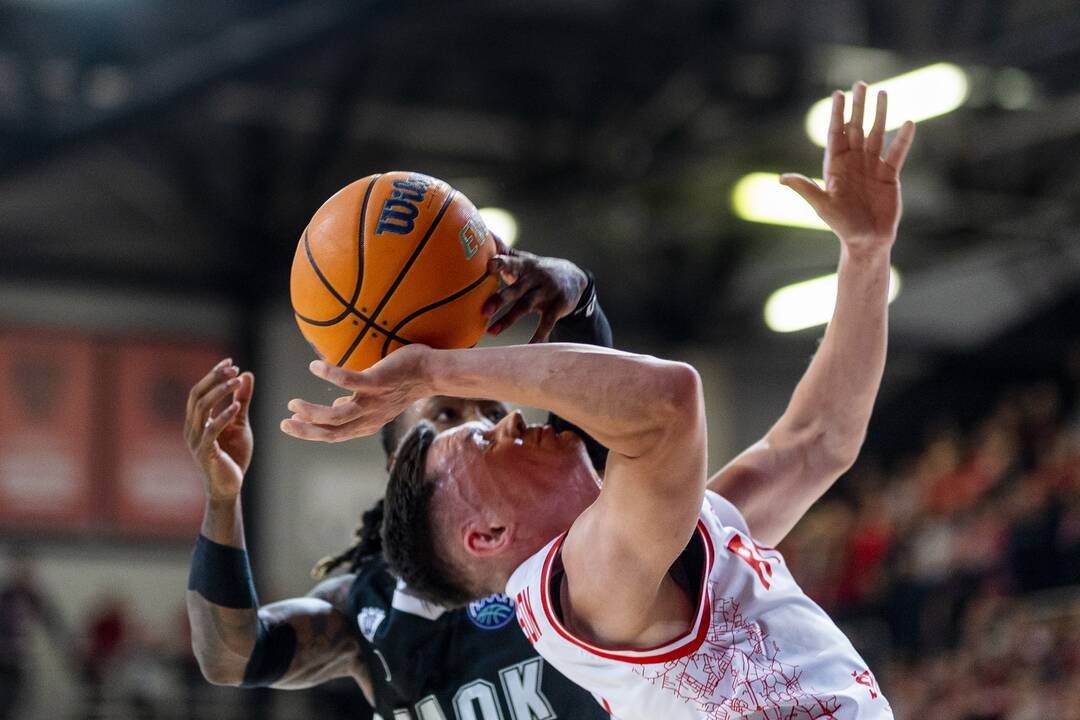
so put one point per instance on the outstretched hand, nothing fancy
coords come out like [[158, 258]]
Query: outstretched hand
[[219, 434], [861, 197], [379, 394]]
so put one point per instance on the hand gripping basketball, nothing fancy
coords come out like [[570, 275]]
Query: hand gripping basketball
[[379, 394]]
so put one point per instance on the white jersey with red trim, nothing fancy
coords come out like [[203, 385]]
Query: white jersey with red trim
[[758, 647]]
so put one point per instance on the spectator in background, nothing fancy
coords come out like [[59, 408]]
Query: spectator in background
[[22, 604], [106, 631]]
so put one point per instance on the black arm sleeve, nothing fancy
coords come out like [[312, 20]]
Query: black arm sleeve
[[587, 325]]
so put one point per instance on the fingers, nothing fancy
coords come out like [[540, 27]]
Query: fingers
[[510, 269], [548, 318], [501, 248], [207, 394], [898, 151], [336, 414], [525, 304], [876, 139], [222, 370], [806, 188], [214, 425], [345, 379], [305, 430], [244, 392], [507, 296], [837, 140], [855, 126]]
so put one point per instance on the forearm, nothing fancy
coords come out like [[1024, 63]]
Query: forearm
[[587, 324], [222, 636], [834, 400], [619, 398]]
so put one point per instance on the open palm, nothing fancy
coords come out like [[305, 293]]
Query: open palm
[[861, 197]]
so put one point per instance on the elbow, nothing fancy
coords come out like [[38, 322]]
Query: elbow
[[218, 674], [682, 393], [841, 450], [216, 667]]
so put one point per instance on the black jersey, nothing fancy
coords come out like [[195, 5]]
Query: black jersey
[[427, 663]]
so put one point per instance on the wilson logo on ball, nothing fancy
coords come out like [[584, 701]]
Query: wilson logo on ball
[[491, 613], [400, 209]]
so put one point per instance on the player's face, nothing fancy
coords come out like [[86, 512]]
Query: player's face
[[448, 412], [530, 475]]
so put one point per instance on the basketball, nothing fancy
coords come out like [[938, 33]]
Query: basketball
[[392, 259]]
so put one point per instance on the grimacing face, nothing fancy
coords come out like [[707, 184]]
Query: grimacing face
[[526, 479]]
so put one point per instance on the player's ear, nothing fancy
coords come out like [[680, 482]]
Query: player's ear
[[482, 540]]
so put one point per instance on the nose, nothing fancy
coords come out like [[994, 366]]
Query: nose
[[511, 427]]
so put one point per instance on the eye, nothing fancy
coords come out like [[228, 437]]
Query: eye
[[495, 413], [447, 415]]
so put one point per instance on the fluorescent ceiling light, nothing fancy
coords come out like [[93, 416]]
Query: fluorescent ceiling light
[[501, 222], [759, 197], [810, 302], [918, 95]]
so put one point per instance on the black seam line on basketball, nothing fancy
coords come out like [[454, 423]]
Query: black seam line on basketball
[[351, 304], [397, 281], [317, 323], [449, 298]]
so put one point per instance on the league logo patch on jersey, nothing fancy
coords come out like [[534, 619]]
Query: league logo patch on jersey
[[369, 619], [491, 613]]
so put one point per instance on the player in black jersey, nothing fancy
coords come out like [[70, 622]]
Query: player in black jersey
[[412, 660]]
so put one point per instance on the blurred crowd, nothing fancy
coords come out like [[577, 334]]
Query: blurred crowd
[[956, 570], [120, 669]]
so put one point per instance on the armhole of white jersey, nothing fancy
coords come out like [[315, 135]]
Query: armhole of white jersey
[[679, 647], [726, 512]]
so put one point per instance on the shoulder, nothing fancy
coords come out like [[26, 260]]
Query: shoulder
[[335, 590]]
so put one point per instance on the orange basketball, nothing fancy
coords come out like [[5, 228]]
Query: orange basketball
[[389, 260]]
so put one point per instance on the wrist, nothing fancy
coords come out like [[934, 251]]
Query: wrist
[[422, 372], [867, 250], [587, 297], [219, 503]]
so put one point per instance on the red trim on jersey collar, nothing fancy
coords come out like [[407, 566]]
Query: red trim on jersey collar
[[671, 650]]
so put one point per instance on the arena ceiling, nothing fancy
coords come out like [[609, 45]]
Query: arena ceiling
[[182, 146]]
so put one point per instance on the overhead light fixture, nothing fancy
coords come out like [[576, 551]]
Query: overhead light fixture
[[917, 95], [501, 222], [810, 302], [759, 197]]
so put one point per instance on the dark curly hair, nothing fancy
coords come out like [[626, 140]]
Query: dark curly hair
[[367, 543], [408, 531]]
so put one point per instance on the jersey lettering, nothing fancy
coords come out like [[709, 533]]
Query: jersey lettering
[[526, 619], [751, 554], [428, 709], [866, 678], [521, 685], [477, 701]]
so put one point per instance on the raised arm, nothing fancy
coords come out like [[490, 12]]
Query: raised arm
[[290, 644], [648, 412], [818, 437]]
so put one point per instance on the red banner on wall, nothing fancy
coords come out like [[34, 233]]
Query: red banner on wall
[[158, 489], [47, 387]]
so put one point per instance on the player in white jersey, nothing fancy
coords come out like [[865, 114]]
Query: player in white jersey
[[656, 589]]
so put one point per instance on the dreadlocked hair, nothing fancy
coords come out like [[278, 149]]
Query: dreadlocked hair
[[368, 536], [366, 547], [407, 528]]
